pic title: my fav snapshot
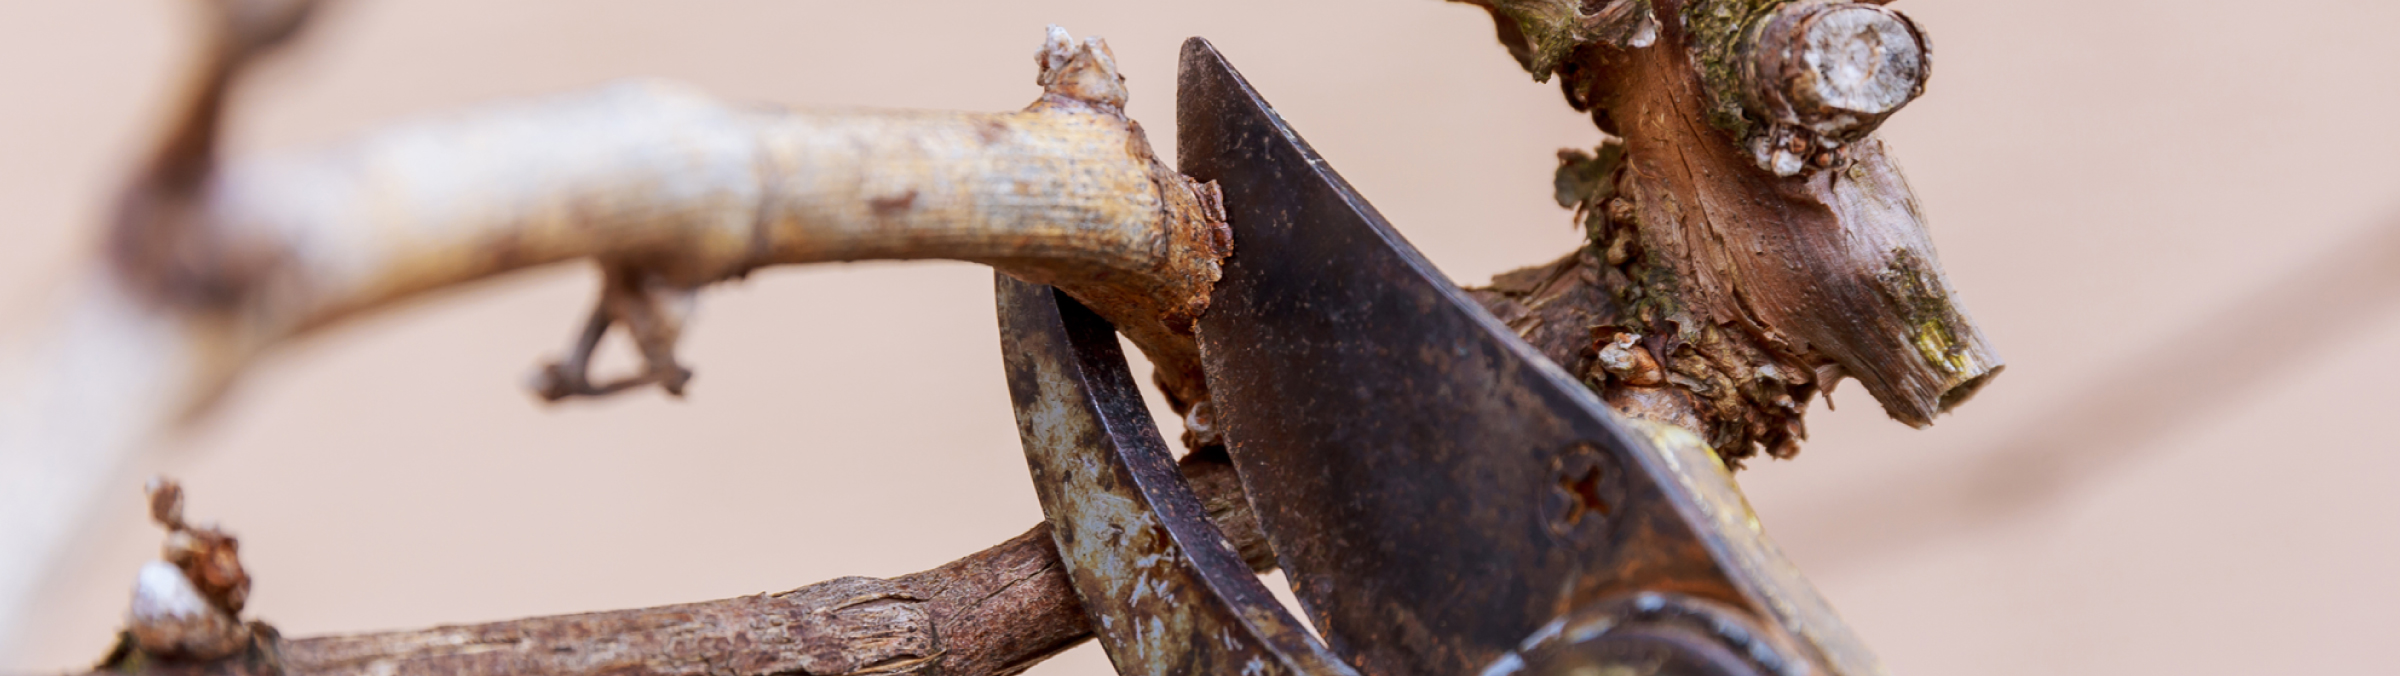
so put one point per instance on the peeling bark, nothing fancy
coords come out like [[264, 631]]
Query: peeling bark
[[1749, 244], [1745, 227]]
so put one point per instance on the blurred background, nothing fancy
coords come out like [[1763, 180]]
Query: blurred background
[[2178, 221]]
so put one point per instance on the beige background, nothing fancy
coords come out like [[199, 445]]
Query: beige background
[[2132, 195]]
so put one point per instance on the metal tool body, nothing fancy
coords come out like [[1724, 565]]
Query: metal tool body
[[1444, 499], [1436, 489], [1167, 592]]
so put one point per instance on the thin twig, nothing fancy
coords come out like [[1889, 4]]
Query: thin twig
[[213, 263], [997, 611]]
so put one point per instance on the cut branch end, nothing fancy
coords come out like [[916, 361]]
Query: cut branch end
[[1822, 75], [1750, 225]]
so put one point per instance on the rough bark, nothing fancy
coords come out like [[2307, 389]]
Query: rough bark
[[212, 262], [1747, 231], [1749, 245], [671, 190], [997, 611]]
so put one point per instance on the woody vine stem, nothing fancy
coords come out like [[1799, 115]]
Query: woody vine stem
[[1749, 245]]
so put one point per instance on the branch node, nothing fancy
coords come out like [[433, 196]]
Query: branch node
[[188, 605], [1084, 72]]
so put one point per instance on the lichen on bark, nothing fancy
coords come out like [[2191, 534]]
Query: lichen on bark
[[1721, 34], [1541, 34], [1743, 227]]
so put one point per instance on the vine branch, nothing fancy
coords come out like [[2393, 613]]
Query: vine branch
[[1749, 242], [212, 262], [994, 612]]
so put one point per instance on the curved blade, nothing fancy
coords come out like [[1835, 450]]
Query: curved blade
[[1168, 594], [1435, 489]]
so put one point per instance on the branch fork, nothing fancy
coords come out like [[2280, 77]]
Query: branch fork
[[1741, 215], [213, 262], [1749, 244], [671, 191], [652, 312]]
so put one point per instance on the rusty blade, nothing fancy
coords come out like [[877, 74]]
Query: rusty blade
[[1436, 490], [1168, 593]]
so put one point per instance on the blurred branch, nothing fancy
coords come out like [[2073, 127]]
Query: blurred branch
[[2171, 384], [212, 263], [1749, 245]]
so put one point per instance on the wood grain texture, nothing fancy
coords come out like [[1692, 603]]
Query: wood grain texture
[[213, 262], [997, 611], [1746, 227], [682, 191]]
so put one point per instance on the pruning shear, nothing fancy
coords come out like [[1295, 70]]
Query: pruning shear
[[1443, 499]]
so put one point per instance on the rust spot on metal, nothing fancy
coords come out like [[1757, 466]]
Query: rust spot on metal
[[1167, 591], [1484, 470]]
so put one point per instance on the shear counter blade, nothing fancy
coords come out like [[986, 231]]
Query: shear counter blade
[[1166, 593]]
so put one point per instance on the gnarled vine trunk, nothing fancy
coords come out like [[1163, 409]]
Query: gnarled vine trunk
[[1749, 244], [1747, 233]]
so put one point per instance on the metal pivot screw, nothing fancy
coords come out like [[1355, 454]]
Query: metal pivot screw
[[1585, 488]]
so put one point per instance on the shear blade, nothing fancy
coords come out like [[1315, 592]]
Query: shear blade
[[1437, 491]]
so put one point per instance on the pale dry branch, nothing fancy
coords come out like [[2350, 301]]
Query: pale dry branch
[[1749, 245], [212, 263], [671, 190]]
